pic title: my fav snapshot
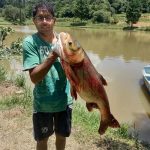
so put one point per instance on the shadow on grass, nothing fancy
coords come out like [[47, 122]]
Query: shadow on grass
[[111, 144]]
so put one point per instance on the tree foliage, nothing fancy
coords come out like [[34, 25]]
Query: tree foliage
[[101, 16], [97, 10], [81, 9], [4, 31], [133, 12], [13, 14]]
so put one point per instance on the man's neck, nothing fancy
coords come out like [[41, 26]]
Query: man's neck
[[50, 37]]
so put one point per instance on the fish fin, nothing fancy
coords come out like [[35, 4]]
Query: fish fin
[[90, 106], [89, 63], [73, 93], [104, 124], [102, 79], [103, 127], [113, 122]]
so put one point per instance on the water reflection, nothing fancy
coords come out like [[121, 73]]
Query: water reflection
[[128, 97], [142, 125]]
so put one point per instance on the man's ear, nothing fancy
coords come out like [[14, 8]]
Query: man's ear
[[54, 18]]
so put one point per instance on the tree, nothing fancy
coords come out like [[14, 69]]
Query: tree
[[11, 13], [21, 4], [81, 9], [66, 11], [145, 6], [101, 16], [119, 5], [2, 2], [133, 12]]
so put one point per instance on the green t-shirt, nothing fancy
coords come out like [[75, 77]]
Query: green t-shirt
[[52, 94]]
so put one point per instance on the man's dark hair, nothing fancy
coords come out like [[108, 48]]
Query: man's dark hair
[[43, 5]]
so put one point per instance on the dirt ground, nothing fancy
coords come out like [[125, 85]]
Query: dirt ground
[[16, 128], [142, 24], [16, 133]]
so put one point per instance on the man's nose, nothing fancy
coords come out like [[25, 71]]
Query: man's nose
[[44, 19]]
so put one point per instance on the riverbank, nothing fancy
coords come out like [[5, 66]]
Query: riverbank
[[16, 123]]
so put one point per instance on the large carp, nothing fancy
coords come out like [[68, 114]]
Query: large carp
[[85, 80]]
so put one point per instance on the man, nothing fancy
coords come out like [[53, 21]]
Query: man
[[52, 100]]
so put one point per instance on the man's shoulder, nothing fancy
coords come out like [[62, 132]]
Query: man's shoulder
[[29, 38]]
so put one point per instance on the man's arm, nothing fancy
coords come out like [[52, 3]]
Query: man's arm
[[38, 73]]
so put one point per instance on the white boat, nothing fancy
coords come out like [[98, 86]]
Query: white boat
[[146, 76]]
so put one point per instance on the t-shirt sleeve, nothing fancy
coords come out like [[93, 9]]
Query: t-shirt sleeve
[[30, 55]]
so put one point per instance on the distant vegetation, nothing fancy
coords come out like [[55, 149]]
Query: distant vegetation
[[98, 11], [15, 47]]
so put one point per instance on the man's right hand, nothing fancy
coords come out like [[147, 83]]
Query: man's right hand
[[57, 48]]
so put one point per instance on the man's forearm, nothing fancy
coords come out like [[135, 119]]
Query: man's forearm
[[38, 73]]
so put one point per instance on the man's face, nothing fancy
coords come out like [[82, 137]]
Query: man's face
[[44, 21]]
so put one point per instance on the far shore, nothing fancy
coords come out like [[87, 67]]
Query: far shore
[[142, 25]]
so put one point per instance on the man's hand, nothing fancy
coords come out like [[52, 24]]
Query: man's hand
[[56, 48]]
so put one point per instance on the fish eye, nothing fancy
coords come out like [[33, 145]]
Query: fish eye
[[70, 43]]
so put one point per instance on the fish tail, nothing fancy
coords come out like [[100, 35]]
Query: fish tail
[[111, 122]]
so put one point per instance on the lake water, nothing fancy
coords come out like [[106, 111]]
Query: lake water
[[120, 57]]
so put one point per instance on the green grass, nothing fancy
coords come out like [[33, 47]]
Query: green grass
[[87, 124], [20, 80], [90, 121], [24, 100], [4, 22], [145, 17], [2, 74]]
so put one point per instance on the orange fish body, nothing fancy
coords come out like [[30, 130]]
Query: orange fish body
[[85, 80]]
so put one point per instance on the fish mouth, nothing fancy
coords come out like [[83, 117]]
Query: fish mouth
[[74, 50]]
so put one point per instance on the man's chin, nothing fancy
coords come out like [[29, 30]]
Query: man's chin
[[45, 30]]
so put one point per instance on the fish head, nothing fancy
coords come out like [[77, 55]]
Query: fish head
[[73, 53]]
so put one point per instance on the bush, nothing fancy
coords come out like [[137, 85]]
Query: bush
[[16, 47], [13, 14], [115, 19], [20, 80], [1, 10], [147, 29], [78, 23], [101, 16], [4, 31], [2, 74]]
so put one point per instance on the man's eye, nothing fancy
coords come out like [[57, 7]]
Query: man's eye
[[41, 18]]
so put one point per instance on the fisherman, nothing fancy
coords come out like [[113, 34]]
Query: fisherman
[[52, 101]]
